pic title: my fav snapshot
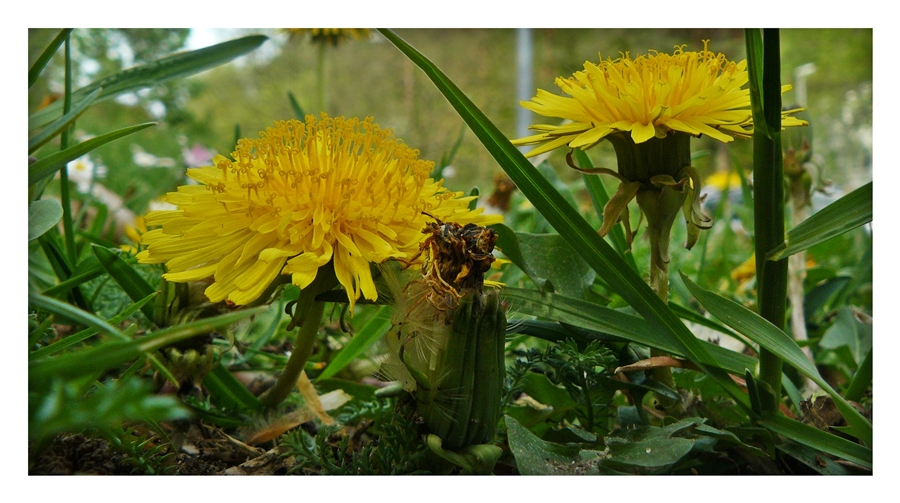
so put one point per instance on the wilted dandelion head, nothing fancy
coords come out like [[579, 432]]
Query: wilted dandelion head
[[305, 195]]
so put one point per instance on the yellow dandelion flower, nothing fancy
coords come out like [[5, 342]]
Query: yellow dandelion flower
[[649, 96], [332, 191], [334, 36]]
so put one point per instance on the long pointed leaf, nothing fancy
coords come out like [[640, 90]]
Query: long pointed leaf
[[176, 66], [52, 163], [35, 71], [779, 343], [111, 354], [88, 332], [375, 329], [818, 439], [73, 313], [222, 384], [57, 126], [570, 225], [845, 214], [584, 314]]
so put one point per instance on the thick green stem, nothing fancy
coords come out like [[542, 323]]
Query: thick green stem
[[308, 316], [768, 193], [68, 227], [303, 346]]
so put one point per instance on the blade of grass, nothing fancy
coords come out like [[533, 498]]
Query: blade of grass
[[65, 198], [571, 226], [72, 313], [59, 125], [584, 314], [111, 354], [35, 71], [374, 330], [295, 106], [52, 163], [74, 281], [176, 66], [88, 332], [762, 332], [818, 439], [222, 384], [845, 214]]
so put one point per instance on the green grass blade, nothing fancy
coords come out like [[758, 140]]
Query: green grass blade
[[818, 439], [52, 163], [222, 384], [43, 215], [861, 380], [845, 214], [114, 353], [95, 270], [35, 71], [72, 313], [88, 332], [375, 329], [584, 314], [59, 125], [760, 331], [295, 106], [570, 225], [176, 66], [134, 285]]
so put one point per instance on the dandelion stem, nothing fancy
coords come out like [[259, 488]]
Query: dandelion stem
[[308, 315], [303, 345]]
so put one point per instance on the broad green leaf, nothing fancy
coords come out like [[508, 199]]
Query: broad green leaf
[[771, 338], [222, 384], [114, 353], [572, 226], [57, 126], [374, 330], [42, 216], [818, 439], [176, 66], [845, 214], [539, 387], [508, 244], [134, 285], [539, 457], [548, 259], [848, 331], [654, 452], [35, 71], [52, 163]]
